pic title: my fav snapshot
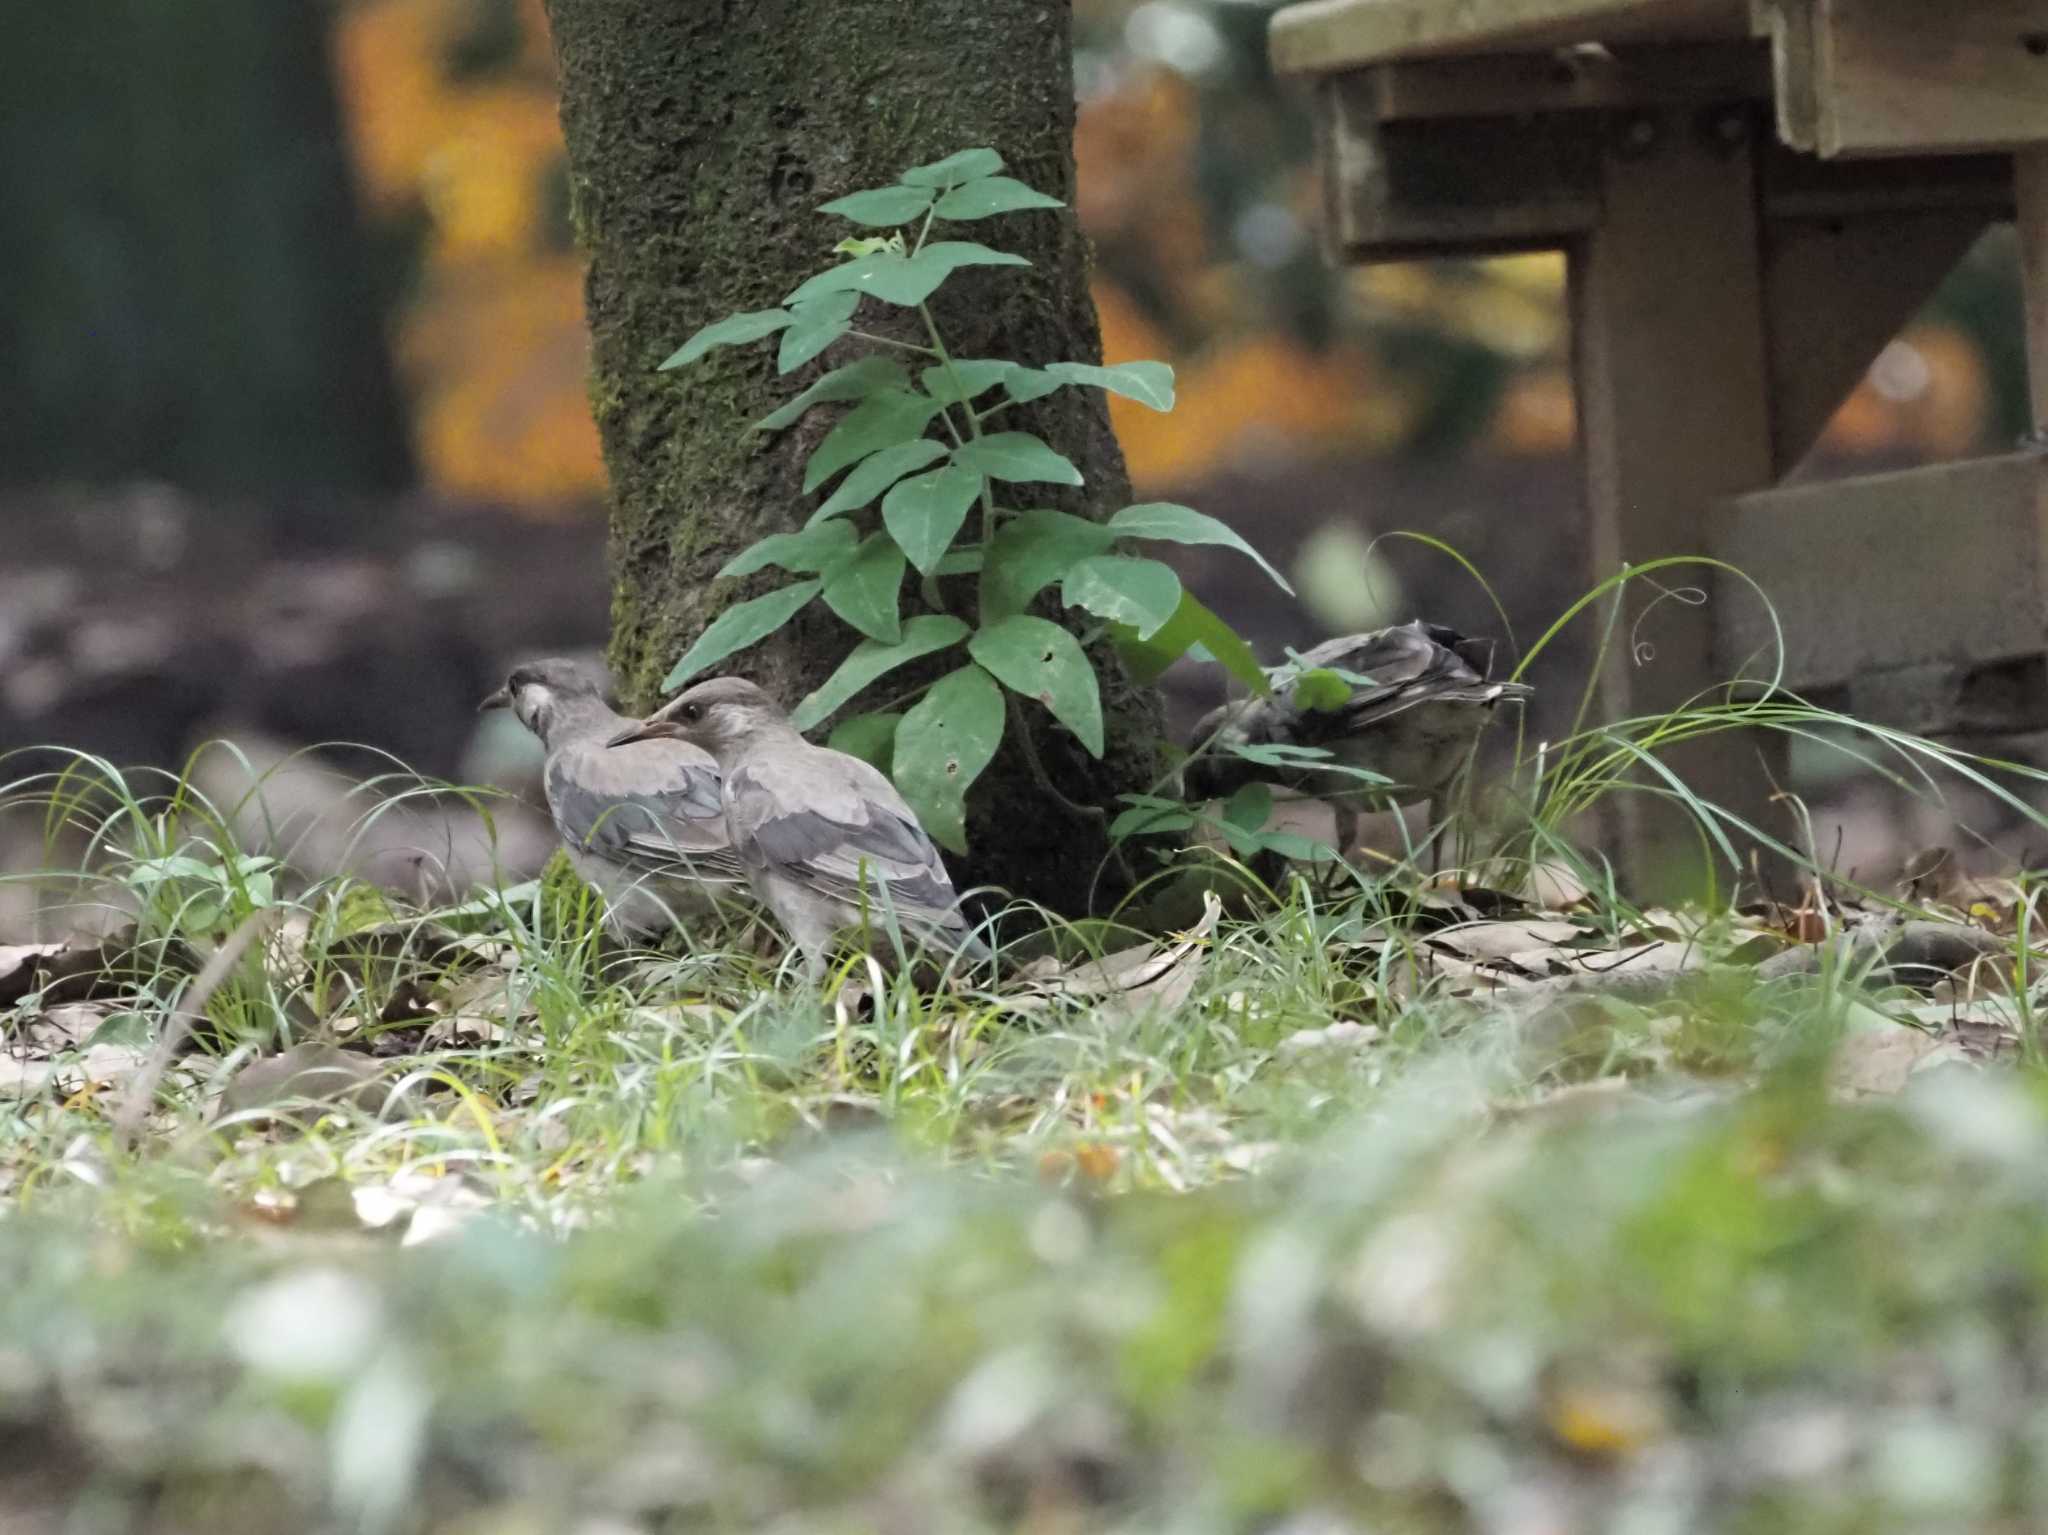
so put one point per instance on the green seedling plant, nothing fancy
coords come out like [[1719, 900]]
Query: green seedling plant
[[925, 435]]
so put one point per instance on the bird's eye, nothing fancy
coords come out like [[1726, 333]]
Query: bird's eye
[[693, 712]]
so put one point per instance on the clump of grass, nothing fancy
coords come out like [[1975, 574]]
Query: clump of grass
[[1440, 1257]]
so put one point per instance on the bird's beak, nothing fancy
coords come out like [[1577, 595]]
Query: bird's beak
[[502, 699], [644, 730]]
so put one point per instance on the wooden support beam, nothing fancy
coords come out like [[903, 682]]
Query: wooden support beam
[[1452, 187], [1518, 84], [1836, 291], [1798, 186], [1916, 76], [1941, 566], [1323, 36], [1672, 381], [1404, 180]]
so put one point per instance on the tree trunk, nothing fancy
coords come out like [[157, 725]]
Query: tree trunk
[[702, 137]]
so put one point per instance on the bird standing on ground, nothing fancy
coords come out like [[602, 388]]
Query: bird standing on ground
[[826, 841], [1419, 700], [644, 825]]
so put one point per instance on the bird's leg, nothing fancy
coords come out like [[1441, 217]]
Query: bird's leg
[[1346, 811]]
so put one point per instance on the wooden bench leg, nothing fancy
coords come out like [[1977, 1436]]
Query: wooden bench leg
[[1674, 412]]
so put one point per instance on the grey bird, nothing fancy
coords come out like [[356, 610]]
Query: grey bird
[[1419, 700], [645, 824], [826, 841]]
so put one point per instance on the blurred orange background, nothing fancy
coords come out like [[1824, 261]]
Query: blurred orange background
[[491, 347]]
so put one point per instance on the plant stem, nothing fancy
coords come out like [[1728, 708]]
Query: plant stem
[[1038, 773], [908, 346], [988, 504]]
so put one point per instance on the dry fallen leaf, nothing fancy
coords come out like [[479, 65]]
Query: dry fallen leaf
[[1605, 1419], [315, 1072], [1878, 1062], [1132, 981], [1504, 940], [1343, 1034], [20, 964]]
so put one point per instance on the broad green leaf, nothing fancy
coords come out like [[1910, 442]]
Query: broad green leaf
[[1016, 456], [1040, 660], [1249, 807], [901, 279], [1184, 525], [1297, 848], [942, 746], [1150, 816], [974, 375], [880, 421], [870, 737], [1141, 594], [967, 165], [1149, 383], [1320, 690], [855, 381], [1031, 551], [853, 276], [882, 206], [877, 473], [923, 514], [1192, 625], [733, 330], [741, 625], [871, 659], [991, 194], [934, 264], [960, 562], [1273, 754], [865, 590], [819, 322], [1027, 384], [812, 549]]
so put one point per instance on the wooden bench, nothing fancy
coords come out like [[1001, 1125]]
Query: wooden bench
[[1754, 196]]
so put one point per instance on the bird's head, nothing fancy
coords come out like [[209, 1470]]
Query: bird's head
[[538, 692], [721, 716]]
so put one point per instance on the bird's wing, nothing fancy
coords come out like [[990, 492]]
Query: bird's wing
[[653, 805], [1408, 664], [836, 825]]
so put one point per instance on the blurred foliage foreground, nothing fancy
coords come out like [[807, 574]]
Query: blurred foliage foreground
[[1362, 1212], [1756, 1310]]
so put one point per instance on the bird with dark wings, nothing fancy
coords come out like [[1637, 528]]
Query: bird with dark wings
[[1419, 698]]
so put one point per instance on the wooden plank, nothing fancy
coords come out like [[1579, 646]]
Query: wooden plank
[[1835, 292], [1507, 84], [1456, 186], [1913, 76], [1326, 36], [2030, 199], [1798, 186], [1789, 26], [1671, 373], [1928, 567]]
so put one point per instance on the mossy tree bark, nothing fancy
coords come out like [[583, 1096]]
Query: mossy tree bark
[[702, 138]]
